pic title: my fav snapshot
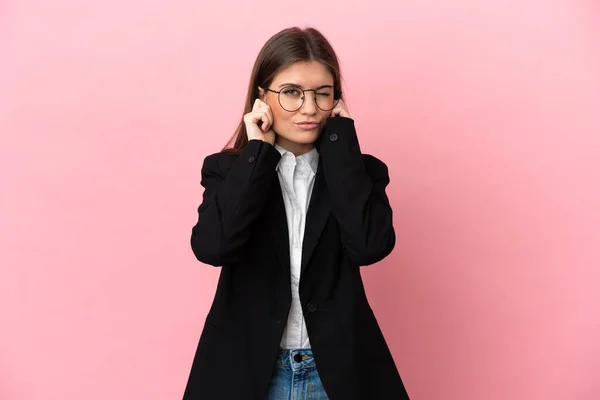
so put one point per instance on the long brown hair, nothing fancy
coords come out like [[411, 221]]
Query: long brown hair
[[281, 50]]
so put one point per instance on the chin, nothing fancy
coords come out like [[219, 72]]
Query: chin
[[302, 137], [305, 138]]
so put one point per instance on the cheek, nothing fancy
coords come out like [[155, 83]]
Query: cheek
[[281, 117]]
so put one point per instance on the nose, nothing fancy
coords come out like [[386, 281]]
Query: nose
[[310, 104]]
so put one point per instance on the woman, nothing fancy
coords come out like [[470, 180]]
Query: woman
[[291, 212]]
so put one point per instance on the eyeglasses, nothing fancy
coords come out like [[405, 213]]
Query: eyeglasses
[[291, 98]]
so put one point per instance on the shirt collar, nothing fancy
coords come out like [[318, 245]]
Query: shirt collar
[[288, 158]]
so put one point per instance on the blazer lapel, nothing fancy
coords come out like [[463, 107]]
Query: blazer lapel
[[316, 217]]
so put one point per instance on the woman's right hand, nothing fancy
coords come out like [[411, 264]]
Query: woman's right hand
[[259, 122]]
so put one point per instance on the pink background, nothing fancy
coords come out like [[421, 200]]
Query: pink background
[[487, 113]]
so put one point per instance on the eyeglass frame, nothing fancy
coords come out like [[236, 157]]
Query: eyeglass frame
[[337, 95]]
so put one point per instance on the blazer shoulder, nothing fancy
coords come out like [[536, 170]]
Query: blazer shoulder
[[372, 160], [375, 167], [219, 162]]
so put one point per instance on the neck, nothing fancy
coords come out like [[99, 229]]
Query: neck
[[295, 148]]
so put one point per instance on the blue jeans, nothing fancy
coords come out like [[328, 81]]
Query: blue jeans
[[295, 377]]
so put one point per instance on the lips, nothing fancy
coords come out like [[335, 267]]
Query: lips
[[308, 125]]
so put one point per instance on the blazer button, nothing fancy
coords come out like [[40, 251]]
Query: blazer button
[[251, 159], [312, 307], [333, 137]]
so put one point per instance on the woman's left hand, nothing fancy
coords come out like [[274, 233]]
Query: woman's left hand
[[340, 109]]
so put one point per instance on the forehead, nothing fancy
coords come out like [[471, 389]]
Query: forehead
[[307, 74]]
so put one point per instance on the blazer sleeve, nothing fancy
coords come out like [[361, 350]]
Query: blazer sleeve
[[356, 184], [235, 190]]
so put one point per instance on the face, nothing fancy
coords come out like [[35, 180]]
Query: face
[[292, 128]]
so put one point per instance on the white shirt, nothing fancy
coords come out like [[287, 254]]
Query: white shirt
[[297, 178]]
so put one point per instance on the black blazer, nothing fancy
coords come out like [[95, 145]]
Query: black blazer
[[242, 227]]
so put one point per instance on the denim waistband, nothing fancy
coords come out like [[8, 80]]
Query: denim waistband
[[296, 359]]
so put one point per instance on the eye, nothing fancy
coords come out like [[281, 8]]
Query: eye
[[323, 94], [291, 92]]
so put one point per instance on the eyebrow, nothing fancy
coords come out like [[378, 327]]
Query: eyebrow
[[298, 86]]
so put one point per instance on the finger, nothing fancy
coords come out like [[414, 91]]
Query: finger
[[270, 116], [336, 111], [266, 110], [261, 115], [264, 126], [257, 104], [266, 121], [260, 104], [257, 118], [342, 110]]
